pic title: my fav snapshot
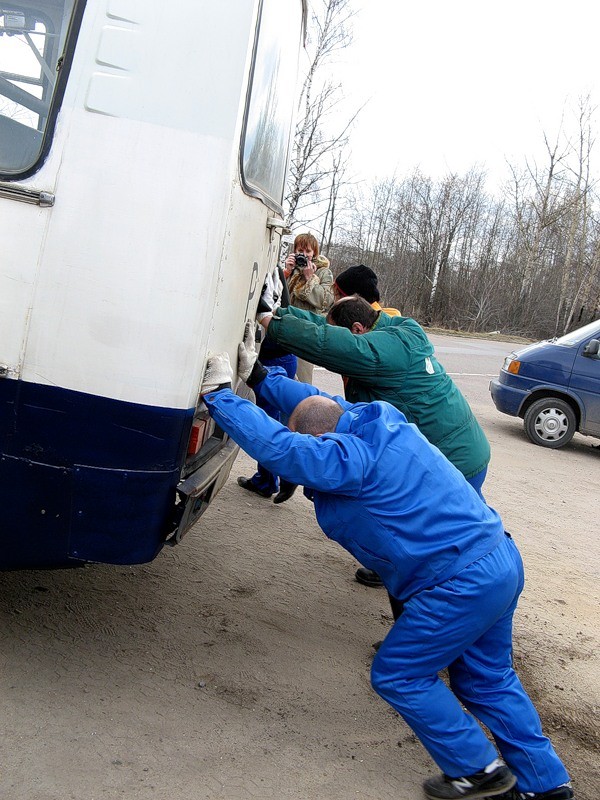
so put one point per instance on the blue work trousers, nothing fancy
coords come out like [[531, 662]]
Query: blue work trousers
[[262, 478], [477, 480], [465, 624]]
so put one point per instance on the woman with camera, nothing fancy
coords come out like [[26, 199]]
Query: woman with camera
[[310, 283]]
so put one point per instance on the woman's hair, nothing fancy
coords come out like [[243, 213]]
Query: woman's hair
[[306, 241], [352, 309]]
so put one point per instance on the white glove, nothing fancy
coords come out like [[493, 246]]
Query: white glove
[[270, 299], [277, 288], [247, 354], [218, 371]]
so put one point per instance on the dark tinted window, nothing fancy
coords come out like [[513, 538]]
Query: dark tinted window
[[272, 96], [32, 39]]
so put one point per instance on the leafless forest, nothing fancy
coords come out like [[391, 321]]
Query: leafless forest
[[451, 255], [523, 260]]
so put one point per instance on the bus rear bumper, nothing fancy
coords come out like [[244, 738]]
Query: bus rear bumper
[[195, 493]]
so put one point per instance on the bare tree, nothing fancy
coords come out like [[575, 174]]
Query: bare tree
[[320, 147], [338, 180], [446, 251], [540, 200], [574, 274]]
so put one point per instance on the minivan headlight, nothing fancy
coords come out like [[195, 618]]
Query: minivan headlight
[[511, 365]]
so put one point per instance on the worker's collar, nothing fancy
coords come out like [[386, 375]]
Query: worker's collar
[[345, 422], [376, 323]]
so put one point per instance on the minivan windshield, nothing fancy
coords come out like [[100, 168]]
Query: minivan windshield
[[580, 334]]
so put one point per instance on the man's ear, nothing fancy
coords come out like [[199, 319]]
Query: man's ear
[[357, 327]]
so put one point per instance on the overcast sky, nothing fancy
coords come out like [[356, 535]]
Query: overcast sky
[[453, 83]]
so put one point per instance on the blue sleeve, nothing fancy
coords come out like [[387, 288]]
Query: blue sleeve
[[285, 393], [329, 463]]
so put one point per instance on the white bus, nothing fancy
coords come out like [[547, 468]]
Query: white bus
[[143, 154]]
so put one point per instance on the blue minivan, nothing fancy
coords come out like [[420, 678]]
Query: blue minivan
[[554, 386]]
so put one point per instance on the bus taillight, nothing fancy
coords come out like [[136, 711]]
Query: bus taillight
[[197, 436]]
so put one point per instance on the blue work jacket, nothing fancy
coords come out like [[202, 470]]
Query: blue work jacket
[[380, 488]]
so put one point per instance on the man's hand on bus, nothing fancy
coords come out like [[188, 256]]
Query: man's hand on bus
[[247, 353], [250, 370], [270, 298], [218, 373]]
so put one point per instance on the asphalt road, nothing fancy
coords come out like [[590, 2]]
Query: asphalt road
[[470, 362]]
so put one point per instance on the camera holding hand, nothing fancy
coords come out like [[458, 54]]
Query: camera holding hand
[[301, 261]]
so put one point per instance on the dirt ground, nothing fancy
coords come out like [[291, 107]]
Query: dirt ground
[[236, 665]]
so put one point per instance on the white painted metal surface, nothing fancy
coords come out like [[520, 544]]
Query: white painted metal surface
[[146, 260]]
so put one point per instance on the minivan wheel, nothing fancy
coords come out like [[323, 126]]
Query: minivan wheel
[[550, 422]]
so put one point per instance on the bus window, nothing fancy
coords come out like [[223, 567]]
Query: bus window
[[270, 106], [32, 39]]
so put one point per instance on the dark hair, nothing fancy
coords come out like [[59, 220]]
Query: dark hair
[[359, 280], [353, 309]]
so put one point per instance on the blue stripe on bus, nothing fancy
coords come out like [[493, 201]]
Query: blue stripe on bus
[[85, 478]]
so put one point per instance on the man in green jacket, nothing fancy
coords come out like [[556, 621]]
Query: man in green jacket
[[388, 358]]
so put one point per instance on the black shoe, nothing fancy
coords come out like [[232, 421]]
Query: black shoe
[[286, 490], [497, 780], [246, 483], [367, 577], [564, 792]]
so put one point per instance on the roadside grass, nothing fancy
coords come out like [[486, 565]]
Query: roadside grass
[[496, 336]]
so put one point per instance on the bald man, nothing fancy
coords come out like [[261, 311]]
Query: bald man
[[401, 508], [388, 358]]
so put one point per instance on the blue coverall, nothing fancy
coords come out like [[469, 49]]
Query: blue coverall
[[398, 505]]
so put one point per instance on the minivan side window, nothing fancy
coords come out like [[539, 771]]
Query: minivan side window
[[33, 36], [269, 111]]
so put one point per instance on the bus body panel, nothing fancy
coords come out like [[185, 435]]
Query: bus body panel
[[112, 299], [89, 278]]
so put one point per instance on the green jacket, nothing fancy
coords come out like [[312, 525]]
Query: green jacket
[[392, 362]]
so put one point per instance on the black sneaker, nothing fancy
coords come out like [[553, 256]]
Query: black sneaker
[[564, 792], [368, 577], [494, 780]]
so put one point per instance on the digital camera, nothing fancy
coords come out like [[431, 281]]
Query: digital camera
[[301, 260]]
